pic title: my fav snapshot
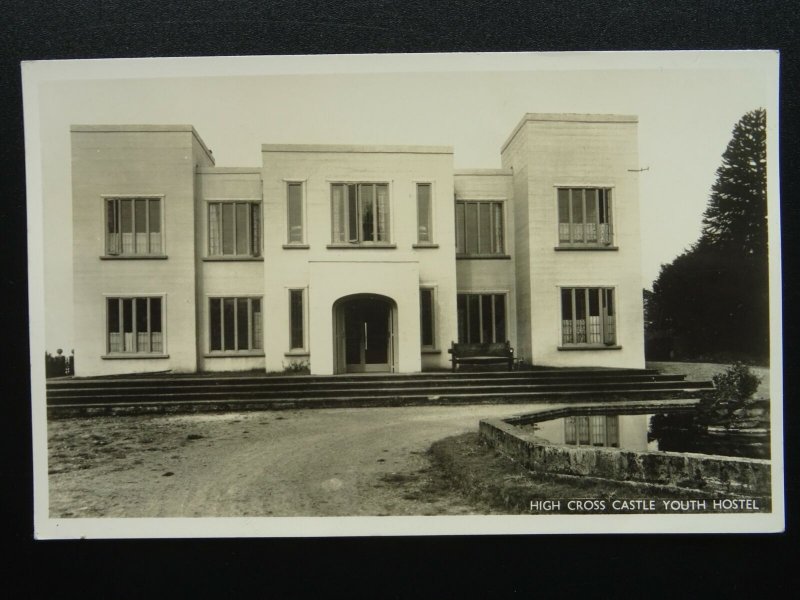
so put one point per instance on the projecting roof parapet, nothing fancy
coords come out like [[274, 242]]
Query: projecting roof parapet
[[484, 172], [568, 118], [354, 149], [143, 128], [229, 170]]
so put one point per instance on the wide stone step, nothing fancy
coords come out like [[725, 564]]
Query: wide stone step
[[203, 405], [375, 392], [196, 406], [141, 394], [227, 380], [344, 386]]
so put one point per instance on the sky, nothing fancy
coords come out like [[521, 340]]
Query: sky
[[687, 104]]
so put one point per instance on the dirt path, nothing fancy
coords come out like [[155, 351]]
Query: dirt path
[[293, 463]]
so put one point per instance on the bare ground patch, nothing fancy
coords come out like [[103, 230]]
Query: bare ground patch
[[98, 466], [299, 463], [435, 495]]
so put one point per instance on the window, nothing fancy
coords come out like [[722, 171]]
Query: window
[[424, 214], [294, 213], [427, 310], [584, 217], [133, 226], [296, 329], [479, 228], [233, 229], [595, 430], [481, 318], [135, 325], [587, 316], [235, 324], [360, 213]]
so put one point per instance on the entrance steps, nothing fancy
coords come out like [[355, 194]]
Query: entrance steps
[[156, 393]]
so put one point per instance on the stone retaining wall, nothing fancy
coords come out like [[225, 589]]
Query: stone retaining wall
[[707, 473]]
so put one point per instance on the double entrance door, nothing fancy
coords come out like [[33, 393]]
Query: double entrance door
[[367, 332]]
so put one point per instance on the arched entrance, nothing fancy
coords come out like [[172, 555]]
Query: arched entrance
[[364, 326]]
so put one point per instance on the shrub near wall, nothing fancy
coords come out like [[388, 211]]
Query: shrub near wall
[[734, 391]]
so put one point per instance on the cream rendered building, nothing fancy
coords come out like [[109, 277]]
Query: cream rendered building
[[355, 258]]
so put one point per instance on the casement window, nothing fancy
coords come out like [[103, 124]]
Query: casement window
[[133, 227], [427, 318], [479, 228], [584, 217], [294, 213], [234, 229], [588, 316], [296, 320], [424, 214], [135, 325], [360, 213], [235, 324], [481, 318], [594, 430]]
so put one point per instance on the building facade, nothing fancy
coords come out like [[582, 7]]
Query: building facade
[[355, 258]]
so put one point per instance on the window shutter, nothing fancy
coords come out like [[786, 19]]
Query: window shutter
[[461, 247], [609, 325], [383, 213], [112, 227], [214, 246], [497, 221], [353, 216], [338, 217], [126, 225], [255, 229], [472, 227], [154, 225], [140, 225]]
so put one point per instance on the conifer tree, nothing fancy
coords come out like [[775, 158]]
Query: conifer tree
[[713, 299], [736, 217]]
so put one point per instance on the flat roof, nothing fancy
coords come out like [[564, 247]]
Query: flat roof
[[355, 149], [569, 118], [144, 128], [229, 170], [481, 172]]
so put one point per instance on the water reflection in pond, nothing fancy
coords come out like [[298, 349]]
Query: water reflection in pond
[[646, 433]]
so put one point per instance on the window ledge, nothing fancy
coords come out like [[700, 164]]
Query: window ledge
[[234, 354], [425, 245], [297, 353], [586, 248], [483, 257], [296, 246], [133, 257], [431, 351], [361, 246], [233, 258], [590, 347], [132, 356]]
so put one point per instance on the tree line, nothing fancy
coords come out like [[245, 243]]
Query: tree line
[[712, 301]]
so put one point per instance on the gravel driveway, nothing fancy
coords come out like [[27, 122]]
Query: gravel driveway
[[324, 462]]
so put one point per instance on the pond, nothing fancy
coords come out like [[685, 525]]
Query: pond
[[645, 432]]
